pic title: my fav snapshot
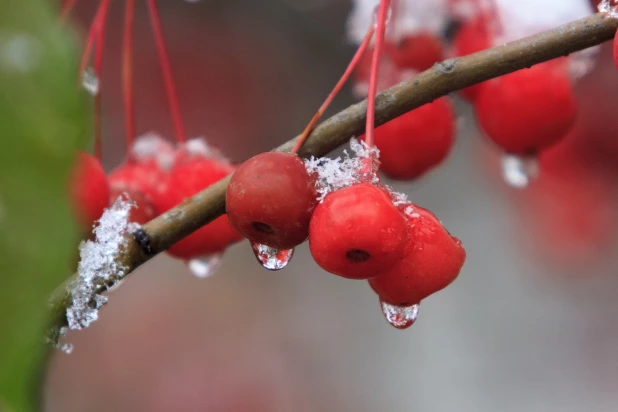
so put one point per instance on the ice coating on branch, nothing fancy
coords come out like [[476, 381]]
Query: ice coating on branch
[[335, 174], [98, 264], [151, 145], [408, 17], [606, 7]]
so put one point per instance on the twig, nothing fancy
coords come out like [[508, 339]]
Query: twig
[[445, 77]]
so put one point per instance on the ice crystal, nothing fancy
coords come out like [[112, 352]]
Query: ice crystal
[[98, 264], [152, 146], [606, 7], [90, 81], [335, 174]]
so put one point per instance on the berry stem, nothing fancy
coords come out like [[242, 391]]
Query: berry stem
[[127, 76], [346, 75], [168, 78], [92, 35], [98, 69], [375, 69]]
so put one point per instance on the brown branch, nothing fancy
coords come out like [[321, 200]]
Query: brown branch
[[445, 77]]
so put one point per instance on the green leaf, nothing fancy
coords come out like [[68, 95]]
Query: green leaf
[[42, 122]]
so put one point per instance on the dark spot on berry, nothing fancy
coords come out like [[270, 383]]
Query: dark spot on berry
[[262, 228], [357, 255]]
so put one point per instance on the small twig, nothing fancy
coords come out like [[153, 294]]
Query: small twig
[[445, 77]]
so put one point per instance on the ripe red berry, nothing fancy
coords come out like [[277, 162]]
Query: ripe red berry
[[417, 52], [416, 141], [472, 37], [270, 199], [432, 261], [89, 189], [190, 175], [528, 110], [357, 232], [142, 182]]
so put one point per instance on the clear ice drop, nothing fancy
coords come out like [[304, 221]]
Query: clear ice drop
[[205, 266], [519, 171], [271, 258], [90, 81], [401, 317]]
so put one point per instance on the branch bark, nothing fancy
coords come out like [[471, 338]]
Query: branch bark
[[445, 77]]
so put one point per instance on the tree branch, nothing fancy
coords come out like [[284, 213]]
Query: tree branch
[[445, 77]]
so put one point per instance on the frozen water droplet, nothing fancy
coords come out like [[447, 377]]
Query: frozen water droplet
[[519, 171], [271, 258], [205, 266], [376, 15], [90, 81], [401, 317], [66, 348]]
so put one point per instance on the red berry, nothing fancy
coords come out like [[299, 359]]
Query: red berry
[[432, 261], [528, 110], [418, 52], [189, 176], [89, 189], [270, 199], [142, 182], [357, 232], [472, 37], [416, 141]]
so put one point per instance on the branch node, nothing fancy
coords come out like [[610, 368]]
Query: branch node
[[447, 66], [143, 240]]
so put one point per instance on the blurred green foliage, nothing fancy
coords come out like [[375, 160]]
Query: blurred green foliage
[[42, 121]]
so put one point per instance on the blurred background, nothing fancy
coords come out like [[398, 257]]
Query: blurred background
[[530, 324]]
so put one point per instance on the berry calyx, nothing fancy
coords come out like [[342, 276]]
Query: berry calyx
[[417, 52], [528, 110], [432, 260], [416, 141], [89, 188], [270, 199], [357, 232], [189, 176]]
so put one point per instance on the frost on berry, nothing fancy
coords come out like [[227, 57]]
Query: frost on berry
[[335, 174], [98, 264], [408, 17], [199, 147], [527, 17], [152, 146], [606, 7]]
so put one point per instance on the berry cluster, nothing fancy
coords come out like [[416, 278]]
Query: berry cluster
[[522, 113], [357, 227]]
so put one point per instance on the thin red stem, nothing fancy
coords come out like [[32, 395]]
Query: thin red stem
[[127, 76], [375, 69], [98, 69], [168, 78], [346, 75], [92, 35]]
